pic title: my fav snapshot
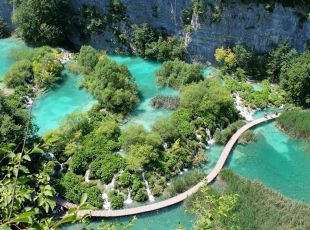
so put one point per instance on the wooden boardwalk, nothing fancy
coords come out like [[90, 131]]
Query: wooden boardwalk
[[181, 197]]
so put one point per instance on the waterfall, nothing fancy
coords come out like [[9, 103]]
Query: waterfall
[[151, 197], [28, 101], [87, 173], [209, 137], [244, 111], [61, 168], [128, 200], [105, 197]]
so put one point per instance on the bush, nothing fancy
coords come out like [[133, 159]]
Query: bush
[[105, 166], [138, 190], [116, 199], [184, 182]]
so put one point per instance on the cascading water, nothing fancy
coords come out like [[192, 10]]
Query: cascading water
[[87, 173], [209, 137], [149, 194], [128, 200], [105, 197], [244, 111]]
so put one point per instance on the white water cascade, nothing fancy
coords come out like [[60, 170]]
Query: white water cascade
[[151, 197], [246, 112], [209, 137], [128, 200], [87, 173], [105, 197]]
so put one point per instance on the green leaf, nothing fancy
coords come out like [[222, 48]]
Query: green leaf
[[27, 158], [83, 199]]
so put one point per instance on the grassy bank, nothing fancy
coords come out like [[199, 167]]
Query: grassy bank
[[259, 207], [296, 123]]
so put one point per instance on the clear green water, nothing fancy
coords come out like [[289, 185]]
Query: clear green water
[[61, 100], [6, 45], [144, 73]]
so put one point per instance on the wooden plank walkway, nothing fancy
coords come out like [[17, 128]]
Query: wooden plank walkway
[[181, 197]]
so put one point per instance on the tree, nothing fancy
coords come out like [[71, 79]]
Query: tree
[[42, 21], [141, 156], [279, 58], [295, 80], [113, 86], [178, 73], [165, 49], [226, 58], [136, 135], [141, 36], [87, 59]]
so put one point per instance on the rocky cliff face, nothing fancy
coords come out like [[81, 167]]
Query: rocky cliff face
[[250, 24], [6, 11]]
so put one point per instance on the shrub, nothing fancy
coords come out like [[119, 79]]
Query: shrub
[[184, 182], [116, 199]]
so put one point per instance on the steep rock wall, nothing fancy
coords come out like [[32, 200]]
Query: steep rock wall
[[249, 24], [6, 11]]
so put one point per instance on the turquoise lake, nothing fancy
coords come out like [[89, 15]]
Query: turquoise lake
[[278, 161]]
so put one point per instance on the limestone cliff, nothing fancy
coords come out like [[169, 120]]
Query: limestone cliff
[[250, 24]]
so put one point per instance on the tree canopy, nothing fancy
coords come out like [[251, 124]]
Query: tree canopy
[[42, 22]]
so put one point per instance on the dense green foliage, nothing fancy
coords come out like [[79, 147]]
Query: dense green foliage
[[178, 73], [4, 29], [71, 187], [279, 59], [267, 96], [42, 22], [110, 83], [39, 68], [154, 44], [13, 117], [296, 123], [295, 80], [209, 104]]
